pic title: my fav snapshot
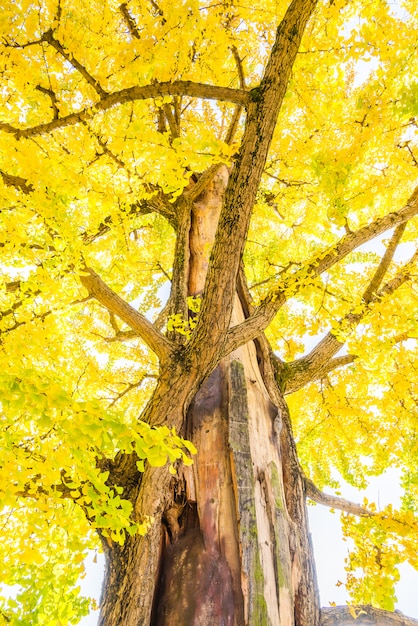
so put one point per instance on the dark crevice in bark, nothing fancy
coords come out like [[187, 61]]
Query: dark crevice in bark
[[196, 585]]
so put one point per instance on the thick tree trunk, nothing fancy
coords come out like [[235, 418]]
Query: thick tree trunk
[[223, 548], [229, 544]]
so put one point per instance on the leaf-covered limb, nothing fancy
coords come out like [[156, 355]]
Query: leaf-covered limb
[[333, 502], [49, 37], [314, 365], [17, 182], [114, 303], [384, 263], [130, 386], [289, 285], [367, 615], [158, 203], [122, 335], [130, 22], [53, 98], [143, 92]]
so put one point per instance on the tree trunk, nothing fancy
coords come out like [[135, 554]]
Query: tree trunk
[[229, 544], [224, 548]]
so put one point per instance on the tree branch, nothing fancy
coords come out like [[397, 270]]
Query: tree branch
[[333, 364], [158, 204], [17, 182], [172, 120], [384, 263], [262, 112], [98, 289], [68, 56], [240, 68], [365, 616], [123, 8], [333, 502], [51, 95], [314, 365], [144, 92], [233, 125], [291, 283]]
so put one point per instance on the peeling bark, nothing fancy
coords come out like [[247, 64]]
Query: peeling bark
[[241, 529]]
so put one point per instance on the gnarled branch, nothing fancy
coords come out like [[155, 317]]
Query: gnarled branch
[[143, 92], [98, 289]]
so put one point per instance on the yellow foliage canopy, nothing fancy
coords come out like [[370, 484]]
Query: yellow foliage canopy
[[108, 111]]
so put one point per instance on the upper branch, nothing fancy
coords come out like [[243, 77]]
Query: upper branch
[[314, 365], [291, 283], [132, 27], [384, 263], [70, 58], [107, 101], [262, 113], [319, 362], [98, 289]]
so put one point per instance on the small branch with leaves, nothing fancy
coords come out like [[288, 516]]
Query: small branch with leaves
[[295, 279], [99, 290]]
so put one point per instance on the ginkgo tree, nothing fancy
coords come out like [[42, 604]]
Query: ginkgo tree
[[208, 306]]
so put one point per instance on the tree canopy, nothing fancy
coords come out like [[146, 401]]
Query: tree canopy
[[113, 119]]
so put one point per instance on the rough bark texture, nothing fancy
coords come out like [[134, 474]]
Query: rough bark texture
[[229, 543], [236, 559], [366, 616]]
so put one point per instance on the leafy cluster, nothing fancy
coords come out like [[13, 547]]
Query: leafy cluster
[[184, 327]]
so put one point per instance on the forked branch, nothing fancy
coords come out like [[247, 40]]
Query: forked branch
[[98, 289], [292, 283], [314, 365]]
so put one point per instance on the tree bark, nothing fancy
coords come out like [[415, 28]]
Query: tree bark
[[226, 546], [229, 543], [365, 616]]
